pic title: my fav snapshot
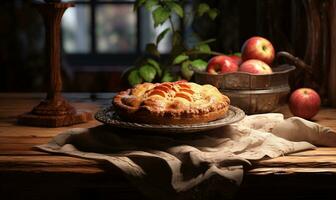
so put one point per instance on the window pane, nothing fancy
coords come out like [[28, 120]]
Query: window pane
[[115, 28], [75, 29], [190, 37]]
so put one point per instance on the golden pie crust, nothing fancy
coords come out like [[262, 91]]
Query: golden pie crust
[[178, 102]]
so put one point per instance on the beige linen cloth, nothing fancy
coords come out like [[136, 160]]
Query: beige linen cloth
[[193, 166]]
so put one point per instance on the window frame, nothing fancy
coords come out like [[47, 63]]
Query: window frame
[[114, 60], [93, 58]]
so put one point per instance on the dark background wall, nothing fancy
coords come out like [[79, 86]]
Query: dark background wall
[[21, 47]]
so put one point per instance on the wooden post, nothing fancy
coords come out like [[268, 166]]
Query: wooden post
[[320, 50], [54, 111], [332, 72]]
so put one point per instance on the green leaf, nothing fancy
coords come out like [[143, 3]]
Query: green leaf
[[213, 13], [147, 72], [177, 50], [126, 72], [151, 48], [160, 15], [199, 65], [150, 4], [176, 8], [237, 54], [137, 4], [134, 78], [155, 65], [167, 77], [177, 39], [204, 48], [161, 35], [202, 9], [180, 58], [186, 72]]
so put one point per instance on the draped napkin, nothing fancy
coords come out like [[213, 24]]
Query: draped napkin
[[197, 165]]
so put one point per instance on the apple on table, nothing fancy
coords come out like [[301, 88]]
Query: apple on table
[[304, 103]]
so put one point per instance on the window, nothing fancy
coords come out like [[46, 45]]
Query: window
[[108, 32]]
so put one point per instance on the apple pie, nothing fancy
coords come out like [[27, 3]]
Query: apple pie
[[178, 102]]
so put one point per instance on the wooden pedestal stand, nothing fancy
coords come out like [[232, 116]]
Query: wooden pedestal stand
[[54, 111]]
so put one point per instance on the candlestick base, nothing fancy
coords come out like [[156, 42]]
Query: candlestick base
[[54, 112], [32, 119]]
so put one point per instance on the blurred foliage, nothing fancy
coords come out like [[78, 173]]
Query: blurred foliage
[[152, 67]]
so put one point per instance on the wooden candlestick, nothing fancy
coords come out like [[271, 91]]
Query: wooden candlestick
[[54, 111]]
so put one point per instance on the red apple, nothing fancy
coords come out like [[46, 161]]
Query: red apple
[[304, 102], [236, 58], [221, 64], [255, 67], [258, 48]]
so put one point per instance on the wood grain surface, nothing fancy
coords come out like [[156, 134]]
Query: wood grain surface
[[16, 141], [19, 158]]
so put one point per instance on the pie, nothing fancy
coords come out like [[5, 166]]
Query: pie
[[178, 102]]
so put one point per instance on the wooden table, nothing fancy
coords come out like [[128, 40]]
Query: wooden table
[[29, 174]]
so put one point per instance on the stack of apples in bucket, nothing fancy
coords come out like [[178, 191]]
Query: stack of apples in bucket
[[256, 57]]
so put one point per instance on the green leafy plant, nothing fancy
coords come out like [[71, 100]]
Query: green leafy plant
[[152, 67]]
